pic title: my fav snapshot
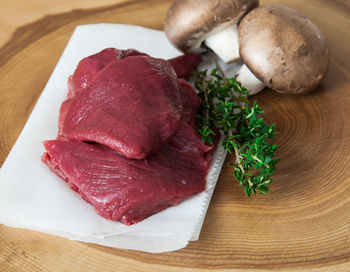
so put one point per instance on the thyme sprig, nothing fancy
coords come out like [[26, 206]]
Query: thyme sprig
[[225, 107]]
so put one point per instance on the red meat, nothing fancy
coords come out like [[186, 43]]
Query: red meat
[[127, 138], [130, 190], [88, 68], [132, 106], [190, 103], [185, 64]]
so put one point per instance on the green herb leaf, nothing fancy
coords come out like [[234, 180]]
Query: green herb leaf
[[225, 106]]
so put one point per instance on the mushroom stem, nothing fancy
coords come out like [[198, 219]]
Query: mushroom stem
[[225, 43], [249, 80]]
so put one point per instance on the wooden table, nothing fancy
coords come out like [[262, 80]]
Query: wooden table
[[303, 224]]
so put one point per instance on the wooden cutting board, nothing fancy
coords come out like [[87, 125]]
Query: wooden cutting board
[[303, 224]]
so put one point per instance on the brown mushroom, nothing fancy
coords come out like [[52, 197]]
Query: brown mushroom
[[281, 49], [189, 23]]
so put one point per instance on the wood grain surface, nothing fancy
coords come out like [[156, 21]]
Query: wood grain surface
[[303, 224]]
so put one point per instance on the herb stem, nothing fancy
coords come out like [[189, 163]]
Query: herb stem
[[204, 88]]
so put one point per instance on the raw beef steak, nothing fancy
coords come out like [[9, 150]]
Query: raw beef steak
[[190, 103], [185, 64], [132, 106], [88, 68], [130, 190]]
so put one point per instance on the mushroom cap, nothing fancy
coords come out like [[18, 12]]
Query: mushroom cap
[[189, 22], [283, 49]]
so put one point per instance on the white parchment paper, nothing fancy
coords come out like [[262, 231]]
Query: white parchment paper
[[32, 197]]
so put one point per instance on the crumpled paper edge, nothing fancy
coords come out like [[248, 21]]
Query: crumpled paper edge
[[212, 178]]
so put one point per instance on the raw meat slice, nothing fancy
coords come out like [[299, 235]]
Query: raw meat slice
[[130, 190], [88, 68], [190, 103], [185, 64], [133, 106]]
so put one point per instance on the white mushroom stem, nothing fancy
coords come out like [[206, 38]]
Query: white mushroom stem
[[225, 43], [249, 80]]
